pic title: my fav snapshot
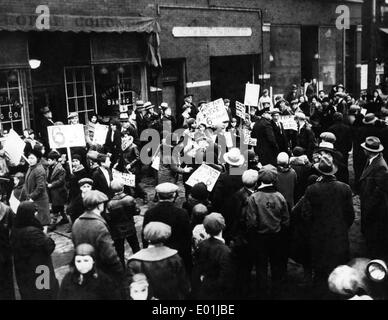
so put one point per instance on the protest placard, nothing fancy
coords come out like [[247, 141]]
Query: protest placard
[[289, 123], [205, 174], [14, 147], [66, 136], [128, 179], [252, 92], [240, 110], [228, 139], [213, 113], [247, 138], [100, 132]]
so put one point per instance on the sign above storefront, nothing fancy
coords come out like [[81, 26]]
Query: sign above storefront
[[27, 22], [179, 32]]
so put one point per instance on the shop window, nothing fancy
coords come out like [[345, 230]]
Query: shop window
[[118, 86], [330, 57], [11, 101], [80, 91]]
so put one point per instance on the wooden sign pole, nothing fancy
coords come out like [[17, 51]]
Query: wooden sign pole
[[70, 161]]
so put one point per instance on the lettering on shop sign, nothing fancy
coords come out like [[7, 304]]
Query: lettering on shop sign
[[211, 32], [343, 20], [43, 20]]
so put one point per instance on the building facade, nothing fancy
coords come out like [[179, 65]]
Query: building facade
[[100, 56]]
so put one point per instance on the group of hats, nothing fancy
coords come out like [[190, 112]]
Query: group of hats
[[140, 105]]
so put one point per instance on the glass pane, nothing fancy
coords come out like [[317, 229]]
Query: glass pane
[[71, 105], [330, 62], [285, 49], [70, 90]]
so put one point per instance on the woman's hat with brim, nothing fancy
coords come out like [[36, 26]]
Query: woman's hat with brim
[[84, 181], [372, 144], [148, 105], [326, 166], [370, 118], [234, 157]]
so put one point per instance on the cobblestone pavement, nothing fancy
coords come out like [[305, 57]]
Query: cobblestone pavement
[[64, 248]]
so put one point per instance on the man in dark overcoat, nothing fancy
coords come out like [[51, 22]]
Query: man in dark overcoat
[[330, 210], [372, 205], [178, 219], [267, 148]]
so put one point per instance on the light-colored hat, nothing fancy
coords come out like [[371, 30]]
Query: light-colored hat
[[328, 137], [164, 105], [250, 177], [234, 157], [300, 115], [72, 115], [326, 144], [148, 105], [372, 144], [156, 232], [369, 118], [283, 159], [166, 188], [139, 103]]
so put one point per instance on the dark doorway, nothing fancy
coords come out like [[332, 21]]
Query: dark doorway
[[173, 83], [229, 74], [309, 53]]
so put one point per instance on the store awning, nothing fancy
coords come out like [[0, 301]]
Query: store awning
[[75, 23]]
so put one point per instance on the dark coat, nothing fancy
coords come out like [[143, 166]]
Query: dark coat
[[58, 191], [360, 133], [267, 148], [224, 189], [113, 146], [164, 270], [6, 274], [77, 175], [100, 288], [213, 264], [32, 249], [35, 189], [370, 205], [130, 156], [93, 229], [343, 133], [75, 207], [100, 182], [120, 211], [280, 136], [306, 139], [178, 220], [331, 213], [303, 171]]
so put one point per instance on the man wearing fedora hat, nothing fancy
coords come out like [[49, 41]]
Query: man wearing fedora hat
[[227, 185], [374, 169], [329, 209], [368, 127]]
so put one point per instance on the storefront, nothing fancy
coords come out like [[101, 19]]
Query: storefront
[[83, 64]]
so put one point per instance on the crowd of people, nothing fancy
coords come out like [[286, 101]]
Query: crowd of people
[[287, 196]]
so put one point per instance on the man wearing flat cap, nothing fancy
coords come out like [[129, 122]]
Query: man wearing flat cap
[[178, 219], [267, 220], [371, 205], [92, 228]]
